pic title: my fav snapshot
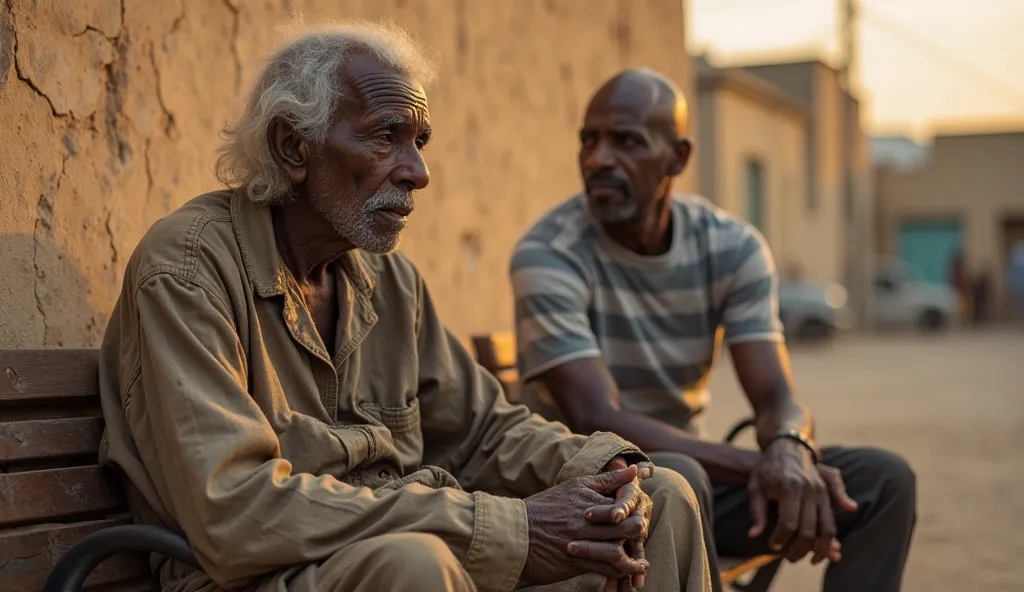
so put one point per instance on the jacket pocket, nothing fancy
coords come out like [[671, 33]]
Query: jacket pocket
[[399, 430], [398, 420]]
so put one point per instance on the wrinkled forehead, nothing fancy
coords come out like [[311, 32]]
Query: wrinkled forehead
[[375, 88]]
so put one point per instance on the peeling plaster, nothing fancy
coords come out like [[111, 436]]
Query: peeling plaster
[[58, 63], [234, 44], [44, 232], [17, 66], [169, 127], [6, 43], [110, 234]]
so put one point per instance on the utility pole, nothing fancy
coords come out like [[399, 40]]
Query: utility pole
[[859, 247], [848, 43]]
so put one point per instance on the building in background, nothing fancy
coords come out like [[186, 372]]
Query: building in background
[[753, 139], [967, 195], [899, 151], [782, 146]]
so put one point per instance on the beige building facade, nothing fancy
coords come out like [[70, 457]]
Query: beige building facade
[[784, 149], [967, 194], [111, 110], [753, 137]]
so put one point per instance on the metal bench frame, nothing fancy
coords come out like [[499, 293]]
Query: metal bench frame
[[74, 566]]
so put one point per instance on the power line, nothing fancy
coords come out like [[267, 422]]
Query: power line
[[941, 56], [809, 47], [935, 52], [746, 5], [818, 40]]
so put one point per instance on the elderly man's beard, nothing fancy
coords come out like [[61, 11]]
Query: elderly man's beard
[[361, 222]]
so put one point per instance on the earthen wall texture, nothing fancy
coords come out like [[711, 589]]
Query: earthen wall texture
[[110, 112]]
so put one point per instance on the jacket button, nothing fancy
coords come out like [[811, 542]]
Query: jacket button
[[384, 474]]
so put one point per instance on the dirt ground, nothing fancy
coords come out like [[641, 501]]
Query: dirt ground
[[953, 405]]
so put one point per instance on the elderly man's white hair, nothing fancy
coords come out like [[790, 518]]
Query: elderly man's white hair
[[301, 85]]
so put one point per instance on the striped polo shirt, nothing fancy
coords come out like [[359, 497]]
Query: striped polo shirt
[[657, 321]]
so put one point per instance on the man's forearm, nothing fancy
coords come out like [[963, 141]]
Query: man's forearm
[[783, 414], [763, 370], [724, 464]]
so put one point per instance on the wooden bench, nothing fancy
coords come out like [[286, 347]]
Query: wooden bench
[[496, 352], [54, 494]]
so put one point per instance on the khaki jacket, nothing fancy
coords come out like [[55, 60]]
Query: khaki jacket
[[233, 424]]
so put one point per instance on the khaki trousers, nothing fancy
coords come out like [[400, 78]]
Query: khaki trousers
[[422, 562]]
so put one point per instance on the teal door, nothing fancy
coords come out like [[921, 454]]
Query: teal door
[[929, 246]]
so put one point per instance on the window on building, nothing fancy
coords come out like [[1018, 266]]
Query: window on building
[[755, 210]]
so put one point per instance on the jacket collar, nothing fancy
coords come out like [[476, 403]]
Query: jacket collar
[[254, 230]]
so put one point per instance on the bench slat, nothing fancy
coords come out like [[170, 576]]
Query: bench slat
[[54, 493], [732, 569], [48, 374], [496, 351], [28, 554], [49, 438]]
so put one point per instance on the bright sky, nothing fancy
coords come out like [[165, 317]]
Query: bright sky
[[920, 64]]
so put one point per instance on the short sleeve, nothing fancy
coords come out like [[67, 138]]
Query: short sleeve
[[751, 306], [551, 299]]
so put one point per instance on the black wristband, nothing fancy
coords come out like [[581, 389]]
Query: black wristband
[[801, 439]]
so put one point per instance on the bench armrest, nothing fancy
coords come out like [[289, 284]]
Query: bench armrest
[[738, 429], [72, 569]]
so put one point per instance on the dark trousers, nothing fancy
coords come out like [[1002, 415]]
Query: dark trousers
[[875, 538]]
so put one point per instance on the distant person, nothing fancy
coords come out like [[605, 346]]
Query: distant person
[[960, 281], [981, 296], [1015, 278], [622, 296]]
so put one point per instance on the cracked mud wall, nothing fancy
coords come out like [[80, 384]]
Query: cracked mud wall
[[110, 110]]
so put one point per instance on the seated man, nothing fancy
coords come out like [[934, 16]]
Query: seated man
[[278, 387], [622, 296]]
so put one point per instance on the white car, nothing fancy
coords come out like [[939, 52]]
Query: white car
[[811, 313], [903, 301]]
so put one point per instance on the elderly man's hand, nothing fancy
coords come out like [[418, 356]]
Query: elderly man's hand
[[565, 544], [646, 469], [630, 500], [627, 498]]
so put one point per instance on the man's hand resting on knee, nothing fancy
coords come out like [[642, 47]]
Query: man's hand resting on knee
[[804, 493], [582, 527]]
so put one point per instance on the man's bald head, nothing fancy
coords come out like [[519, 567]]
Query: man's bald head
[[632, 144], [645, 91]]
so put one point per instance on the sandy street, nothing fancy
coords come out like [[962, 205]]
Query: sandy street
[[952, 405]]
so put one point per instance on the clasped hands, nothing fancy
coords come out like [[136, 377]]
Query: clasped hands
[[591, 525]]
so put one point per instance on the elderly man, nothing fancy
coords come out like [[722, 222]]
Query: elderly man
[[623, 295], [278, 387]]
